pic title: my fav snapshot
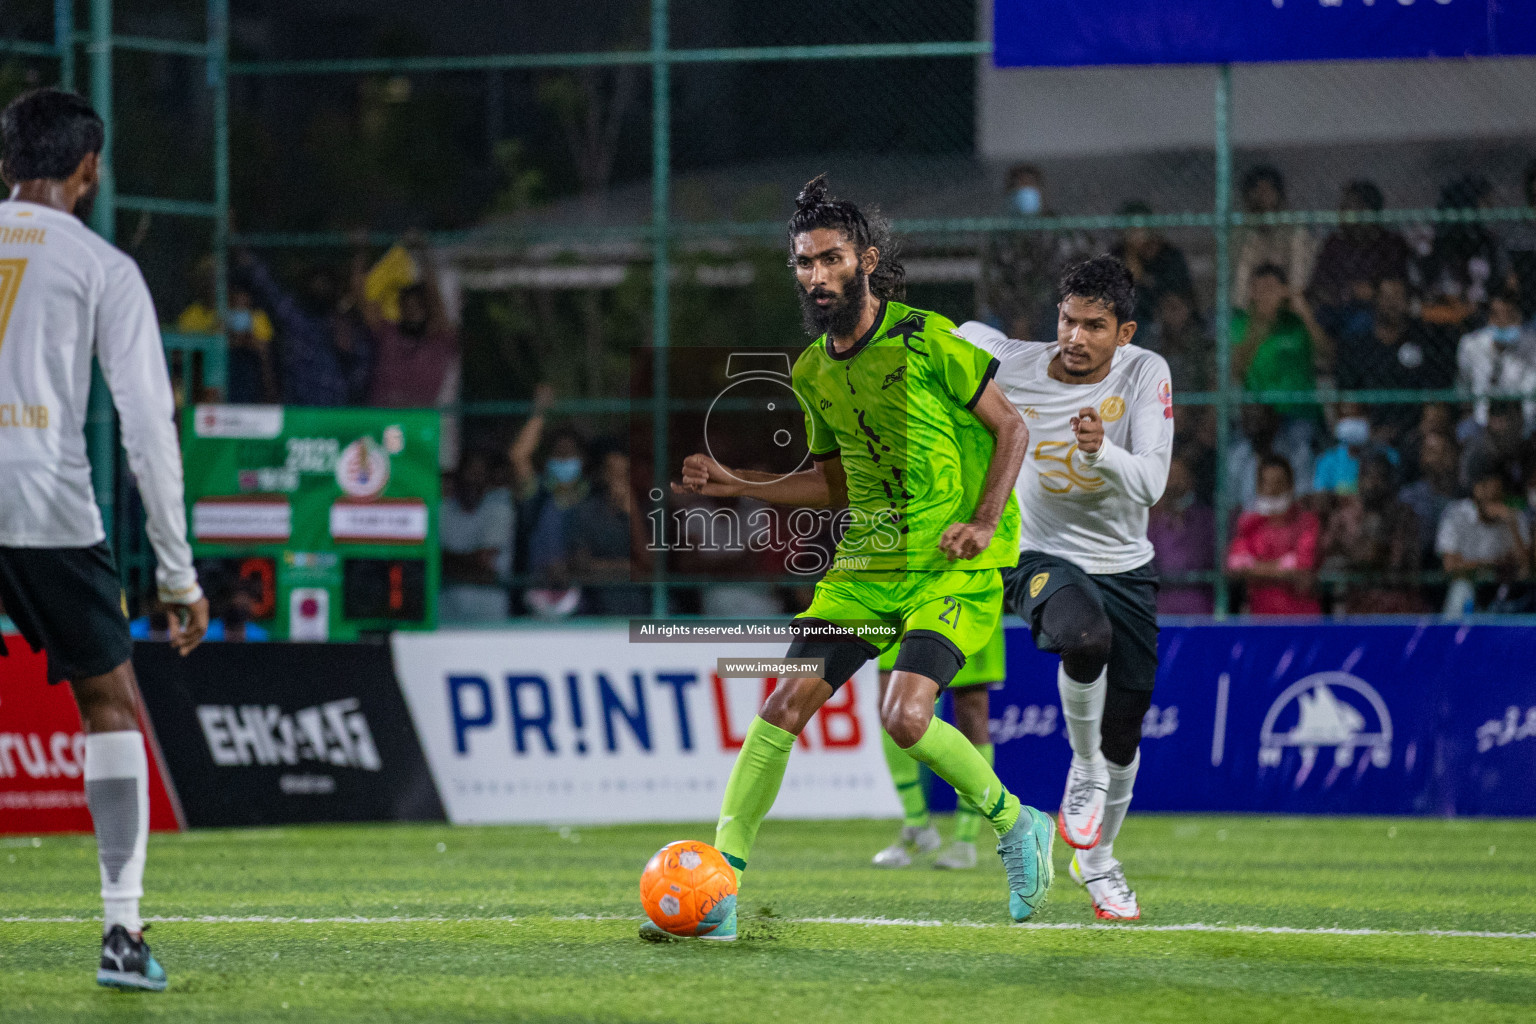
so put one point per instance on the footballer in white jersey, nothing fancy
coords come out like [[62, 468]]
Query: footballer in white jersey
[[1100, 416], [67, 297]]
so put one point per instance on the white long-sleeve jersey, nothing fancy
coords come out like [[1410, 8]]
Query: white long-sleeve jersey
[[66, 294], [1090, 510]]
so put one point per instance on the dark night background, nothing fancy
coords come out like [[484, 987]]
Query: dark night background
[[445, 151]]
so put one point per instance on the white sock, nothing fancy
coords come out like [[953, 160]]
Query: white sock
[[1082, 705], [1121, 782], [117, 791]]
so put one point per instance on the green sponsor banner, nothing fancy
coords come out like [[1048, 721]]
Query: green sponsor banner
[[325, 518]]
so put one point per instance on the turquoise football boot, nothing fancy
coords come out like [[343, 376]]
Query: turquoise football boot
[[1026, 853], [718, 925], [126, 963]]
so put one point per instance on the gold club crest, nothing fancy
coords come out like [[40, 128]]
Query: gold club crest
[[1037, 583], [1112, 408]]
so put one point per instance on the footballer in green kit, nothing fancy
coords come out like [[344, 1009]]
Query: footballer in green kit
[[918, 448]]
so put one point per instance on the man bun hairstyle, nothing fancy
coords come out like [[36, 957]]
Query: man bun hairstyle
[[45, 133], [1103, 279], [815, 208]]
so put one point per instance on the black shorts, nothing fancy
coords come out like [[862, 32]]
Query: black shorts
[[1129, 599], [67, 601]]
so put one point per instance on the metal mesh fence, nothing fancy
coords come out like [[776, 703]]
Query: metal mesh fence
[[1320, 250]]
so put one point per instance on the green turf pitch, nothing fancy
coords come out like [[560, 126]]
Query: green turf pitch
[[433, 923]]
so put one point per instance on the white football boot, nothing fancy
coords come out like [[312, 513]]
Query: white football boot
[[958, 856], [1113, 898], [1081, 821], [914, 839]]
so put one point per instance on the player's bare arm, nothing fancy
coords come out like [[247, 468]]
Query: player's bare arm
[[967, 540], [822, 486]]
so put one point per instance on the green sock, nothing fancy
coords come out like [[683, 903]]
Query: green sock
[[967, 817], [908, 776], [754, 783], [955, 760]]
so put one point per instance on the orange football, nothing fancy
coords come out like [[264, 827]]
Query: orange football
[[682, 883]]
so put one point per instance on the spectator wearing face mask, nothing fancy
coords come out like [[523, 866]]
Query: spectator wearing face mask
[[1372, 532], [1500, 357], [1019, 269], [547, 498], [1481, 535], [1338, 469], [1182, 530], [1274, 549], [252, 370]]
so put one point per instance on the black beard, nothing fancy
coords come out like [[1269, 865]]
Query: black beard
[[841, 318]]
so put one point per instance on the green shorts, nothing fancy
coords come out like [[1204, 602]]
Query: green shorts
[[987, 667], [963, 607]]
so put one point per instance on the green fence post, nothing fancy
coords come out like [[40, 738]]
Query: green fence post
[[661, 275], [64, 39], [218, 82], [1224, 386], [100, 418]]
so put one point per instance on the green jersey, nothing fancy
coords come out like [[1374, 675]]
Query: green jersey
[[897, 407]]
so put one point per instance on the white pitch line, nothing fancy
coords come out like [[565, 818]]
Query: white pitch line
[[868, 922], [1240, 929]]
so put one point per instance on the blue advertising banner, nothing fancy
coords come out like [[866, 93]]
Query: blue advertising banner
[[1049, 33], [1328, 719]]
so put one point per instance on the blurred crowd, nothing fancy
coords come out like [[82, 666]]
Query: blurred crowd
[[374, 335], [1342, 507], [559, 509], [548, 527]]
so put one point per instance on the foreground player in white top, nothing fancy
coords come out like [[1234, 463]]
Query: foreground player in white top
[[1100, 415], [65, 295]]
